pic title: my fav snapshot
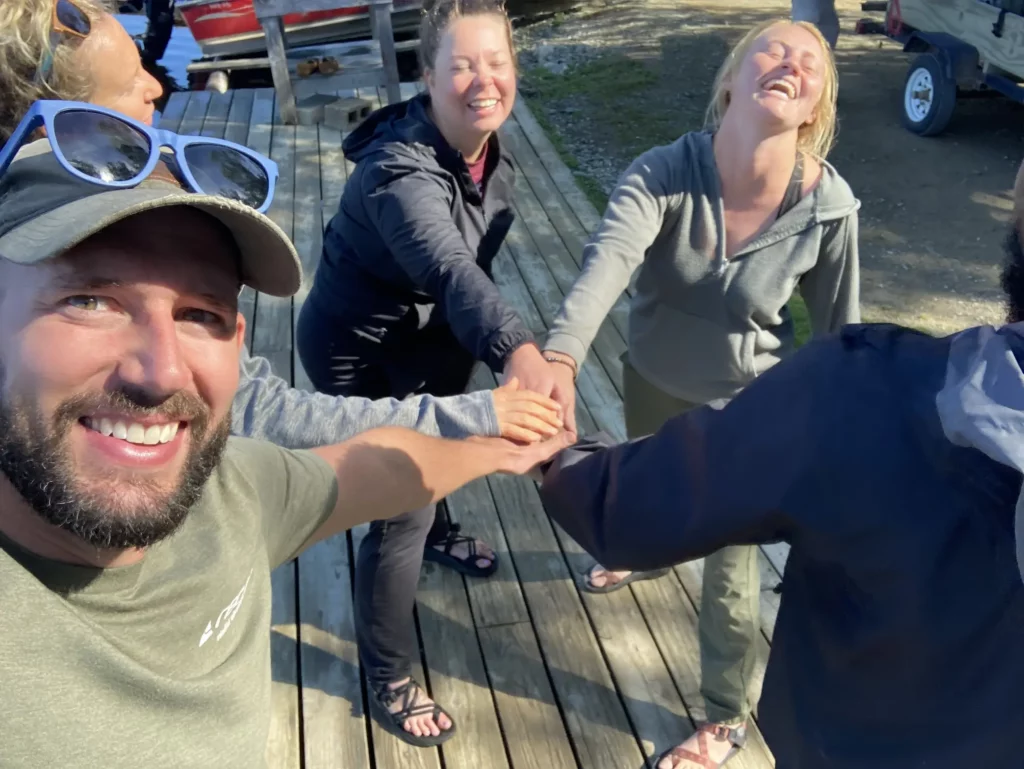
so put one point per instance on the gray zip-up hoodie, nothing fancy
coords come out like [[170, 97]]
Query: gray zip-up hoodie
[[702, 326], [266, 407]]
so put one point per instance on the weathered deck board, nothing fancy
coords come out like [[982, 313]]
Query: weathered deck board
[[537, 673]]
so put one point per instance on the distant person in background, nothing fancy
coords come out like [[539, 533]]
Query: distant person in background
[[820, 13], [723, 227]]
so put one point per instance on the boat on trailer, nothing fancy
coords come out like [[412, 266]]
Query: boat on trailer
[[231, 38]]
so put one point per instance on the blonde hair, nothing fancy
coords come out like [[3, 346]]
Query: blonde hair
[[815, 139], [25, 27]]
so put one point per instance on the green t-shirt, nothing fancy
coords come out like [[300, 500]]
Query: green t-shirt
[[165, 663]]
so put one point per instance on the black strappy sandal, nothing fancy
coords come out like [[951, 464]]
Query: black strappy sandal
[[465, 566], [383, 698]]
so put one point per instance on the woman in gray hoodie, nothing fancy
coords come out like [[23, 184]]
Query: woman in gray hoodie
[[723, 225]]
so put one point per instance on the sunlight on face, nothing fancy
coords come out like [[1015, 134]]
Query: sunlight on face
[[473, 82], [782, 76], [120, 363], [119, 80]]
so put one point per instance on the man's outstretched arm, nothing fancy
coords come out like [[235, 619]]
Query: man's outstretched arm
[[708, 478], [390, 470]]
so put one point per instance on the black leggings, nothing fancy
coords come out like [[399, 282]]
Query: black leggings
[[340, 362]]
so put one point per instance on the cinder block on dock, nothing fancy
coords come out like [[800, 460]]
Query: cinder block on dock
[[347, 113], [311, 108]]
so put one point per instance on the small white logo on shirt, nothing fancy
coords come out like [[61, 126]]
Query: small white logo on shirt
[[227, 615]]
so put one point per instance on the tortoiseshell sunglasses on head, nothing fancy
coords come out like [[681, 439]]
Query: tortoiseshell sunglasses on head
[[68, 19]]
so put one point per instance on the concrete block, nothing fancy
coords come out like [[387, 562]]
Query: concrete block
[[345, 114], [311, 108]]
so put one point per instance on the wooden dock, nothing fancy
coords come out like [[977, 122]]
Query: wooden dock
[[537, 673]]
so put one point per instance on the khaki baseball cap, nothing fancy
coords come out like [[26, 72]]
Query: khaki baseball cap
[[44, 211]]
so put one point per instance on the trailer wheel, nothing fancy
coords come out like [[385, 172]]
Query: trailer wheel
[[929, 96]]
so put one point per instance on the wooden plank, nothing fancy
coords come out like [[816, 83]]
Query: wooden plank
[[594, 714], [334, 726], [588, 216], [283, 750], [272, 314], [548, 269], [332, 172], [389, 752], [603, 365], [272, 335], [307, 227], [333, 711], [533, 726], [216, 118], [458, 678], [380, 16], [572, 233], [174, 110], [259, 118], [560, 214], [195, 113], [654, 706], [237, 127], [498, 599], [673, 621], [273, 31]]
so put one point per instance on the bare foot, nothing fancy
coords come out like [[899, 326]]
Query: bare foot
[[599, 577], [419, 725], [708, 746], [460, 550]]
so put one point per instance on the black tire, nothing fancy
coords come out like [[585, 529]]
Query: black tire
[[929, 96]]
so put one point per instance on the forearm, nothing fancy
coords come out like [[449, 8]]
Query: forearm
[[600, 283], [630, 225], [267, 408], [391, 470]]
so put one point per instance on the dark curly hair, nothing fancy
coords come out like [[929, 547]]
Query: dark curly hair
[[1012, 277], [439, 14]]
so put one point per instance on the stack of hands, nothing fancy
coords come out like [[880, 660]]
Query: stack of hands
[[536, 407]]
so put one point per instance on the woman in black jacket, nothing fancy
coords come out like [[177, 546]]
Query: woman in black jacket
[[403, 303]]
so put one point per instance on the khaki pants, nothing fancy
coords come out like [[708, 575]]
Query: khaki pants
[[729, 610]]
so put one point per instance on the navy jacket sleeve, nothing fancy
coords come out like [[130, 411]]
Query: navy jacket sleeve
[[708, 478], [412, 208]]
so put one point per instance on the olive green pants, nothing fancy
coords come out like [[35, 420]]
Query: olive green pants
[[729, 608]]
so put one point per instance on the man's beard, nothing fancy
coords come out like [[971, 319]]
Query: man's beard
[[36, 458]]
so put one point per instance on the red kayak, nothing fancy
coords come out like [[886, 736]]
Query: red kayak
[[230, 28]]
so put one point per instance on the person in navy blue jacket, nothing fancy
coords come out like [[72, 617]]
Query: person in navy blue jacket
[[891, 462], [403, 303]]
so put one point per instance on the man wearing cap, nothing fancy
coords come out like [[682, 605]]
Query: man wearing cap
[[891, 462], [136, 537]]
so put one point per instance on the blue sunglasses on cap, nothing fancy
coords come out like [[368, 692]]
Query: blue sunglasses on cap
[[107, 148]]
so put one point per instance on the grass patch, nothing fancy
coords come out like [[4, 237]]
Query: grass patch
[[609, 90], [590, 186]]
